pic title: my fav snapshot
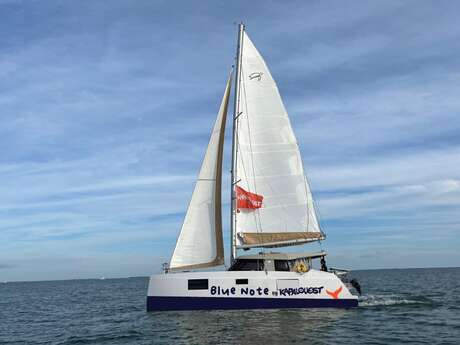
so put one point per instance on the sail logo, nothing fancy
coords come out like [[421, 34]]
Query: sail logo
[[334, 294], [247, 199], [256, 76], [300, 291]]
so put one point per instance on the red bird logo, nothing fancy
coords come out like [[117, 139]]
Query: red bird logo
[[334, 294]]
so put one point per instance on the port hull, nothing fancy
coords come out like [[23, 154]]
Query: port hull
[[247, 290]]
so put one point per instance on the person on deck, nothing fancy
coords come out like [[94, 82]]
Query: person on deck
[[323, 264]]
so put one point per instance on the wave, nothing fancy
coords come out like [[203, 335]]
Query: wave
[[390, 300]]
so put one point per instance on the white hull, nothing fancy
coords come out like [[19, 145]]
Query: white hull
[[271, 206], [247, 290]]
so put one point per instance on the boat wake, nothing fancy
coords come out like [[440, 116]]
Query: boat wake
[[391, 300]]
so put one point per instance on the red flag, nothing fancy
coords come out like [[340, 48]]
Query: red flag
[[245, 199]]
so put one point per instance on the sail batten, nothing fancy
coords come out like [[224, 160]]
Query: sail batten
[[200, 242], [269, 164]]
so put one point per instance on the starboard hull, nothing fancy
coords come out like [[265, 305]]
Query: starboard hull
[[247, 290]]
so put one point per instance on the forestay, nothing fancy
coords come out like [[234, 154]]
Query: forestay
[[200, 242], [268, 163]]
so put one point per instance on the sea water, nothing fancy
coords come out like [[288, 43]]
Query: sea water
[[410, 306]]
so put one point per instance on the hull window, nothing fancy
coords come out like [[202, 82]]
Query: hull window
[[287, 283], [241, 281], [198, 284]]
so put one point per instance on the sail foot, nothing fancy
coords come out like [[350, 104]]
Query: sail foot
[[277, 239], [216, 262]]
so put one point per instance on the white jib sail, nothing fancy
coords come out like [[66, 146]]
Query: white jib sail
[[200, 242], [268, 163]]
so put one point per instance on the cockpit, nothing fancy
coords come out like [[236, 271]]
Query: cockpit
[[287, 262]]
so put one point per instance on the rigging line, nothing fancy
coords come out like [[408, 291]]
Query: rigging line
[[257, 213], [316, 210], [243, 89], [283, 207], [257, 217], [245, 173], [312, 206], [320, 245], [308, 198], [243, 165], [236, 137]]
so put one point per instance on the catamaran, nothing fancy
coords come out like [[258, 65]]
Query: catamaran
[[271, 207]]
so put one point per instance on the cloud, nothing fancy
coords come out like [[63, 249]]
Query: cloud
[[106, 111]]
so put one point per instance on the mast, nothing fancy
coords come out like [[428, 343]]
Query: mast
[[234, 142]]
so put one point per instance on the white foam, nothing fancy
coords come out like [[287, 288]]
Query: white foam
[[387, 300]]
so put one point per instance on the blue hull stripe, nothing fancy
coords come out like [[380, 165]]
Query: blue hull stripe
[[156, 303]]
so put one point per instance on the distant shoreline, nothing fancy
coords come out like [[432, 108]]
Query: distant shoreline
[[145, 277]]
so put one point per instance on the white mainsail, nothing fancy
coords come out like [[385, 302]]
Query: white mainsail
[[200, 242], [268, 163]]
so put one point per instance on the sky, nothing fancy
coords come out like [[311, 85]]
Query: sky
[[106, 108]]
